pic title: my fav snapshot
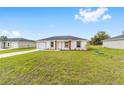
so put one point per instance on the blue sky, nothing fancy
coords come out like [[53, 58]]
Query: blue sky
[[37, 23]]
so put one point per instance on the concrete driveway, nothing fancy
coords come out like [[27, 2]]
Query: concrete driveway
[[16, 53], [3, 49]]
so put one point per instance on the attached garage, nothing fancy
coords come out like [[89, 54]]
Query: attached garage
[[41, 45], [115, 42]]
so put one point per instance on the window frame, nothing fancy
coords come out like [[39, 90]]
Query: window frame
[[8, 44], [66, 44], [78, 44], [52, 44]]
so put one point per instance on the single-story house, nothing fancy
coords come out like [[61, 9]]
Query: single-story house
[[116, 42], [17, 43], [62, 43]]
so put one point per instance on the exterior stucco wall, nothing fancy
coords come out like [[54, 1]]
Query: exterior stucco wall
[[44, 45], [17, 44], [118, 44], [83, 45], [62, 45], [11, 44], [26, 44]]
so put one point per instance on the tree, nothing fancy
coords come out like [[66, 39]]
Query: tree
[[97, 39], [3, 39]]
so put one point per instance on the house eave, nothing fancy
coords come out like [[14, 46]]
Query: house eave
[[62, 40]]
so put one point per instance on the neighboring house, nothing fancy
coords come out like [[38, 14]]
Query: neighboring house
[[62, 43], [1, 45], [18, 43], [114, 42]]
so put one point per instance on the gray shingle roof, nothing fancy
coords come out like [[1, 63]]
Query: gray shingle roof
[[120, 37], [19, 39], [63, 38]]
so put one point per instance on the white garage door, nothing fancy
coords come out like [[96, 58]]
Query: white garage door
[[41, 45]]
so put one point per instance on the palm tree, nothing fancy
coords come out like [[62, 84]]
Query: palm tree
[[3, 39]]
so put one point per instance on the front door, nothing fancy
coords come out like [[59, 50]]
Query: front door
[[69, 44], [55, 45]]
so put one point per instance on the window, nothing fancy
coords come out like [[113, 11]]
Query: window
[[66, 44], [8, 44], [52, 44], [78, 44]]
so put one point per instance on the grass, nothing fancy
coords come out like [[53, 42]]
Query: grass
[[64, 67], [15, 50]]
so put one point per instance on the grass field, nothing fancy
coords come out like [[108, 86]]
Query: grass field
[[15, 50], [64, 67]]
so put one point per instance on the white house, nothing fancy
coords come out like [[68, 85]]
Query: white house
[[17, 43], [114, 42], [62, 43]]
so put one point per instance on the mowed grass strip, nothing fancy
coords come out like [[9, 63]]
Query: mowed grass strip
[[64, 67], [15, 50]]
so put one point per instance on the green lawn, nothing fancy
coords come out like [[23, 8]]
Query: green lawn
[[14, 50], [64, 67]]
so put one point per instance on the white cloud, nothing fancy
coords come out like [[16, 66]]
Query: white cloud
[[9, 33], [16, 34], [88, 15], [107, 16]]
